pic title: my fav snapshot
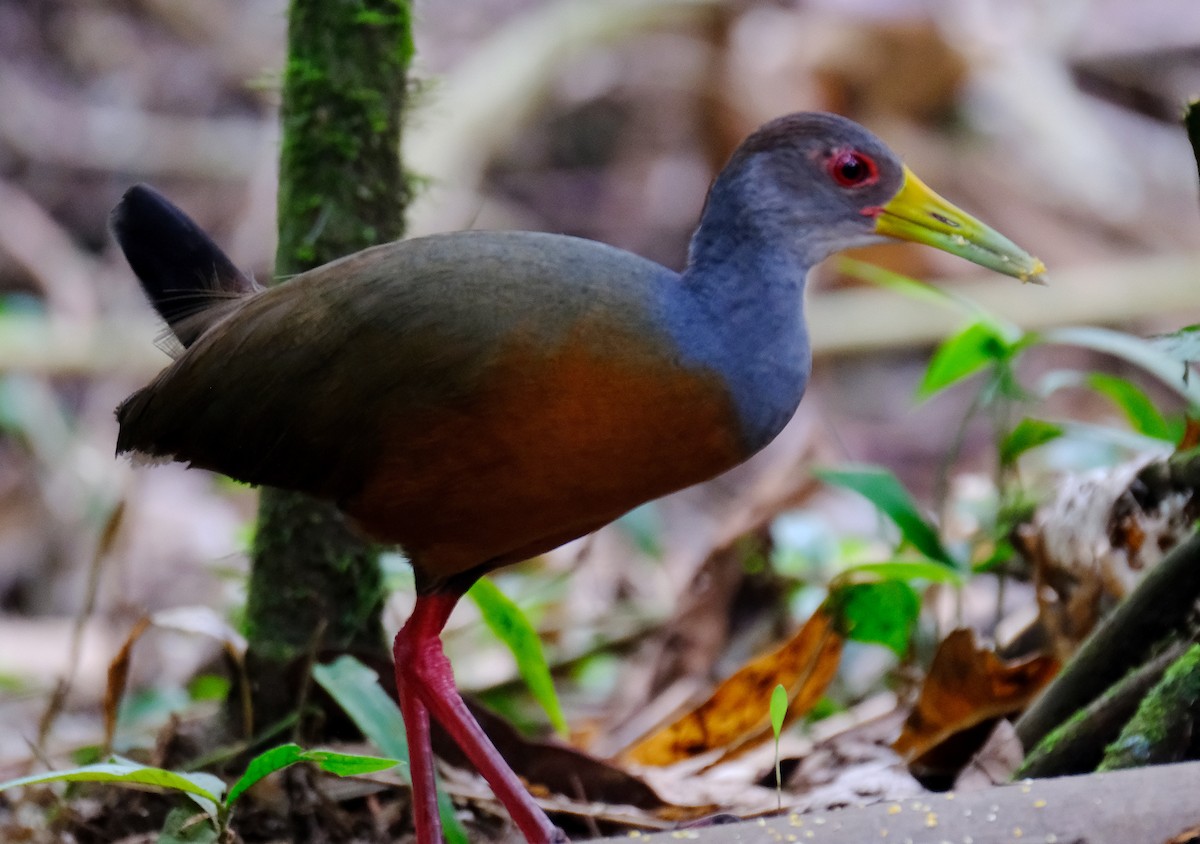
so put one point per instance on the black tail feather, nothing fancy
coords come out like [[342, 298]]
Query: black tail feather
[[182, 271]]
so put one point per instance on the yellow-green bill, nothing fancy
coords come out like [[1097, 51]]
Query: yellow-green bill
[[918, 214]]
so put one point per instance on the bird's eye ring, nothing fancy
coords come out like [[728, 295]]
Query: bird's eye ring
[[853, 169]]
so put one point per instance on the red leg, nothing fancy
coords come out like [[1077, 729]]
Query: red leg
[[426, 818], [424, 674]]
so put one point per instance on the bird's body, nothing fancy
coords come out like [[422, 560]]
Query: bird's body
[[479, 398], [477, 436]]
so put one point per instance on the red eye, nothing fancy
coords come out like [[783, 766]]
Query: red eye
[[852, 169]]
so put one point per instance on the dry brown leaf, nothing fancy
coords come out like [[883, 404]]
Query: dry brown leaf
[[738, 711], [966, 686], [118, 674]]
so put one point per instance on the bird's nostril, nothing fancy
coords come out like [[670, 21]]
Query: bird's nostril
[[946, 220]]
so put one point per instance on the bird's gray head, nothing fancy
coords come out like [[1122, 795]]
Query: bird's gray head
[[815, 183], [811, 181]]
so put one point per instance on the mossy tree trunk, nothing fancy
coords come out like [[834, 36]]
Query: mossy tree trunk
[[315, 586]]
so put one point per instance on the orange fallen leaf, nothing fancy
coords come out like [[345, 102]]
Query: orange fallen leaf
[[966, 686], [738, 711]]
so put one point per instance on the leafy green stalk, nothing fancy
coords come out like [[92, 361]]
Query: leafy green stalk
[[779, 707], [505, 619], [206, 790]]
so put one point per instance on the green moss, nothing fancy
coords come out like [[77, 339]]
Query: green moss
[[1086, 729], [1157, 732], [311, 574], [1048, 745], [341, 189], [345, 86]]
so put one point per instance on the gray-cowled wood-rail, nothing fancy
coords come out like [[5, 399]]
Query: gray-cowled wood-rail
[[478, 398]]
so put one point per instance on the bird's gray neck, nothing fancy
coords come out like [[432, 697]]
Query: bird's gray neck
[[740, 312]]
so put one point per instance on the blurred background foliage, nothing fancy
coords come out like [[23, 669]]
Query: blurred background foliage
[[1056, 122]]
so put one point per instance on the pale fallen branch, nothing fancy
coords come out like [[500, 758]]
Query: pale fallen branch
[[35, 344], [1147, 805], [1115, 292]]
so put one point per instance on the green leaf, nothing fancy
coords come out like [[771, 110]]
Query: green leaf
[[348, 764], [1143, 416], [511, 627], [908, 571], [262, 765], [208, 687], [278, 758], [883, 613], [185, 826], [962, 355], [1028, 434], [204, 788], [881, 488], [356, 690], [779, 708]]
